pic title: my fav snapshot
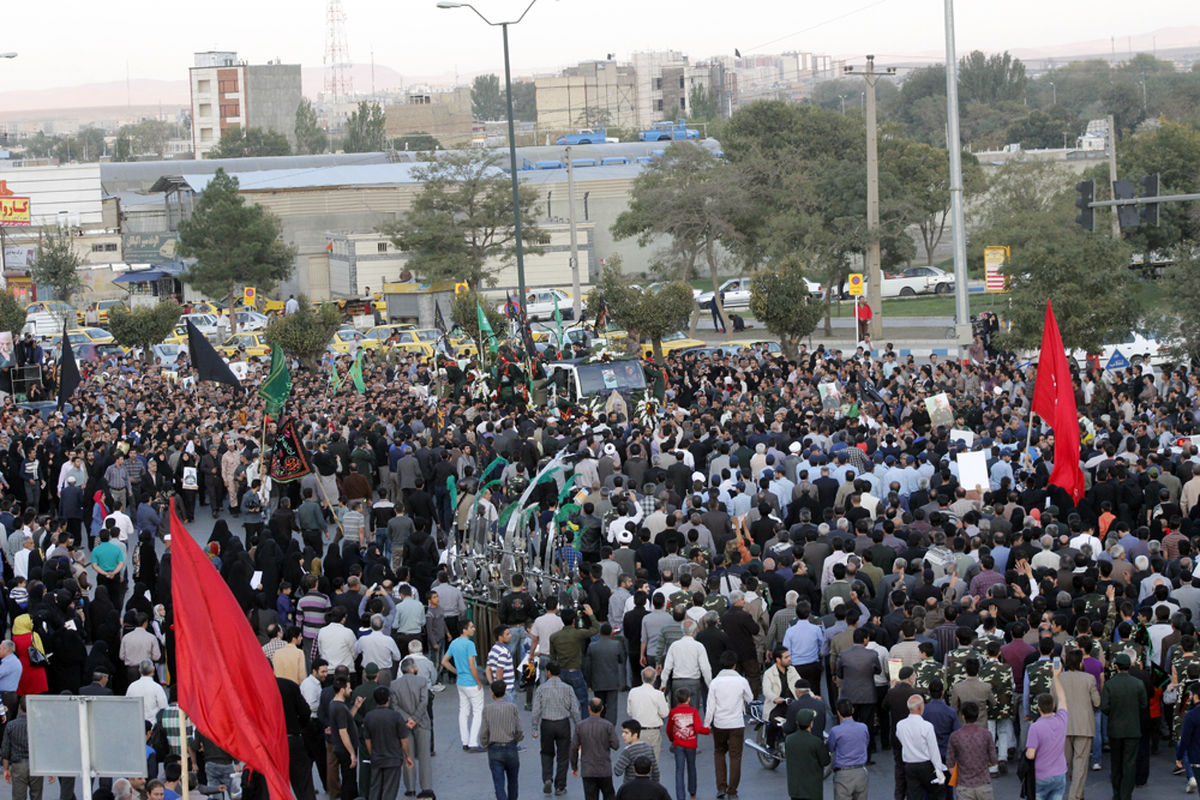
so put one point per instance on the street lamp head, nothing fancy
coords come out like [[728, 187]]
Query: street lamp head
[[448, 4], [8, 55]]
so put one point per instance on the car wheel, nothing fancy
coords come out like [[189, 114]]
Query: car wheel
[[1136, 360], [943, 288], [907, 291]]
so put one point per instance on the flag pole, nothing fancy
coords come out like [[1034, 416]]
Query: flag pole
[[183, 754]]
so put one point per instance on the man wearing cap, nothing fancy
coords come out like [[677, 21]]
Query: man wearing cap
[[807, 758], [1123, 700]]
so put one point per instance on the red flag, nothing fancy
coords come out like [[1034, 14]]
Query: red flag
[[1054, 402], [226, 684]]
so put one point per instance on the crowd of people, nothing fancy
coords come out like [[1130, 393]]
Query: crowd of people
[[752, 545]]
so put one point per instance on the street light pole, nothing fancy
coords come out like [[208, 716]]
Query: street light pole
[[962, 308], [512, 142]]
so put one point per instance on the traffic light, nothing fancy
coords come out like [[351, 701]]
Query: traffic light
[[1126, 215], [1149, 211], [1087, 193]]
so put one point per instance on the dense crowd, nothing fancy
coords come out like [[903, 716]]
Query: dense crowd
[[786, 535]]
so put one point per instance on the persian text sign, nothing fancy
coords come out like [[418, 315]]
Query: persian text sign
[[14, 212]]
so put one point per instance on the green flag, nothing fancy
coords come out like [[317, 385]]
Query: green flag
[[278, 385], [335, 380], [558, 320], [485, 328], [452, 487], [356, 374]]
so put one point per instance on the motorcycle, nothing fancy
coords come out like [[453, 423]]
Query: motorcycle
[[768, 756]]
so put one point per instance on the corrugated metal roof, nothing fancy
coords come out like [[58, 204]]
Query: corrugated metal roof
[[344, 175]]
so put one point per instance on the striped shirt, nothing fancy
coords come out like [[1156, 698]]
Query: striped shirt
[[624, 765], [169, 719], [500, 724], [15, 747], [554, 701], [500, 663], [312, 608]]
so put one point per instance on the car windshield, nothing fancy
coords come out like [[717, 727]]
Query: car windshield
[[427, 335], [602, 378], [674, 337]]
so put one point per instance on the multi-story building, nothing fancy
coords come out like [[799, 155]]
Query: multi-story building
[[227, 93], [665, 80], [446, 115], [590, 94]]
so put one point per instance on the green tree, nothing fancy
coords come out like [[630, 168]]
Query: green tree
[[237, 142], [487, 99], [991, 79], [143, 327], [460, 226], [646, 314], [464, 314], [365, 129], [235, 244], [524, 101], [123, 148], [57, 264], [417, 141], [148, 137], [305, 334], [694, 198], [1172, 151], [12, 314], [780, 300], [310, 139]]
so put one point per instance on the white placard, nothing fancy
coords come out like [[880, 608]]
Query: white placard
[[256, 580], [972, 471], [966, 436]]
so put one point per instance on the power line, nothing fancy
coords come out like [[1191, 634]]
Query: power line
[[831, 20]]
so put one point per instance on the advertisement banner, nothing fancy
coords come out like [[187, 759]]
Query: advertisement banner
[[14, 212], [148, 248]]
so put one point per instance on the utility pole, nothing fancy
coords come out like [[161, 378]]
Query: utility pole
[[576, 291], [962, 308], [874, 273], [1112, 174]]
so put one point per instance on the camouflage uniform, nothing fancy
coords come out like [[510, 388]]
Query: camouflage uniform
[[680, 599], [1182, 666], [715, 601], [956, 664], [925, 670], [1094, 605], [1073, 644], [1041, 680], [998, 675]]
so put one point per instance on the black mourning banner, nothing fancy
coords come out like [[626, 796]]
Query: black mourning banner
[[289, 461]]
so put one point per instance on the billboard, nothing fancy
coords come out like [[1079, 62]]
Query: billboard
[[14, 212], [19, 256], [148, 248], [994, 260]]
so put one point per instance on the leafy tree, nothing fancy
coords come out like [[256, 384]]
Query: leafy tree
[[524, 101], [1172, 151], [644, 313], [238, 142], [464, 314], [780, 300], [234, 244], [124, 148], [460, 226], [12, 314], [305, 334], [148, 137], [418, 141], [691, 196], [365, 129], [991, 79], [487, 99], [57, 264], [310, 139], [143, 327], [702, 103]]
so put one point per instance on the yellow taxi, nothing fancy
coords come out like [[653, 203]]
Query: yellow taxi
[[97, 310], [345, 339], [254, 343], [178, 335], [56, 307], [89, 336], [207, 307], [670, 343]]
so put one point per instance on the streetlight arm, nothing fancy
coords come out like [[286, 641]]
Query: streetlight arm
[[446, 4], [526, 11]]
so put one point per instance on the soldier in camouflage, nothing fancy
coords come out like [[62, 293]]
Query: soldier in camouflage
[[956, 659], [1039, 676], [927, 669], [998, 674], [715, 601], [1185, 668]]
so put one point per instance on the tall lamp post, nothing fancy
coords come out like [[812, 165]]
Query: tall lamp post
[[512, 141]]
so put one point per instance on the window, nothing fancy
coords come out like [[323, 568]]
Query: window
[[228, 86], [658, 84], [683, 102], [381, 247], [206, 134], [658, 105], [205, 110], [97, 248], [229, 110], [203, 86], [681, 85]]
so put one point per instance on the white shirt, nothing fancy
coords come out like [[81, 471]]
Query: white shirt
[[124, 524], [1086, 538], [543, 628], [154, 697], [21, 562], [687, 659], [727, 697], [310, 690], [918, 741], [648, 706], [379, 648], [291, 306], [335, 644]]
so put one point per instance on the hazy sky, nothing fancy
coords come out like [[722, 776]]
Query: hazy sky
[[69, 42]]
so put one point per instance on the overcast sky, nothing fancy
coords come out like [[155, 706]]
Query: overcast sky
[[68, 42]]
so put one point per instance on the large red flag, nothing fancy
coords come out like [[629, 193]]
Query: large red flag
[[226, 684], [1054, 402]]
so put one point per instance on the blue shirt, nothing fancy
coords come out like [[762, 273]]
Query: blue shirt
[[944, 722], [803, 640], [848, 744], [461, 650], [10, 673]]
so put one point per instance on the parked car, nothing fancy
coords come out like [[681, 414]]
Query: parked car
[[736, 293], [96, 312], [79, 336], [539, 304], [205, 323], [583, 136], [250, 320], [1138, 350], [254, 343], [670, 343], [45, 318], [168, 354], [668, 131], [914, 281]]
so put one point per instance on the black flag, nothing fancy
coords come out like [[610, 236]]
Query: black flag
[[68, 371], [289, 459], [207, 362], [439, 321]]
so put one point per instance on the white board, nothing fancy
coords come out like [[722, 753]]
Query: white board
[[972, 471]]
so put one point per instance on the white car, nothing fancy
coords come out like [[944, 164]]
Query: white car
[[251, 320], [736, 293], [205, 323], [45, 318], [918, 280], [539, 304], [1138, 350]]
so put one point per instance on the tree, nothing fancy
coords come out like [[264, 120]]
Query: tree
[[460, 227], [238, 142], [310, 139], [148, 137], [524, 101], [305, 334], [365, 129], [487, 99], [143, 327], [991, 79], [124, 148], [12, 314], [234, 244], [691, 196], [464, 313], [57, 264], [780, 300], [645, 313], [417, 141]]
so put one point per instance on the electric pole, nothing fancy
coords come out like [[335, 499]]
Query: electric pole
[[1112, 174], [962, 303], [576, 291]]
